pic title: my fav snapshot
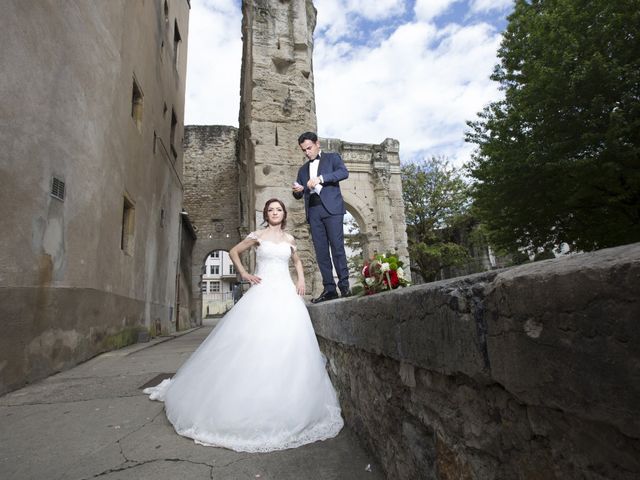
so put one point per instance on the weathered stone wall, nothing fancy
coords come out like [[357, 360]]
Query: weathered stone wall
[[66, 283], [531, 372], [211, 197]]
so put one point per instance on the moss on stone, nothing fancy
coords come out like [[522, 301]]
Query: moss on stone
[[126, 336]]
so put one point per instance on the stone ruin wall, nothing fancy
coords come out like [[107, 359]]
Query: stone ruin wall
[[211, 197], [531, 372]]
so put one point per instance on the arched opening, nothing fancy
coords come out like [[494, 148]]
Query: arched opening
[[355, 245], [217, 284]]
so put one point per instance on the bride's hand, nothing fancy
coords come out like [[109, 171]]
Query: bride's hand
[[300, 287], [252, 279]]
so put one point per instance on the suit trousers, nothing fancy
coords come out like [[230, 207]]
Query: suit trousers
[[327, 234]]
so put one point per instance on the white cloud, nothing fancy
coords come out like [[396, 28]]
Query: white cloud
[[419, 87], [427, 10], [341, 18], [213, 63], [410, 80], [485, 6]]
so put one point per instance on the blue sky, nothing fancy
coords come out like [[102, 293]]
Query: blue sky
[[410, 70]]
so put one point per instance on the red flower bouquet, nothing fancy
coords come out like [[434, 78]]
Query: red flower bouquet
[[383, 272]]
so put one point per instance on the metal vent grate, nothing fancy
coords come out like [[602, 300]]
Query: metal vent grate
[[57, 188]]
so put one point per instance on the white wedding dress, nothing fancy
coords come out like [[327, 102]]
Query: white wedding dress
[[258, 382]]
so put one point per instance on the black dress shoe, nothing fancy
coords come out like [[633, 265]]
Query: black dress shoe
[[345, 292], [324, 296]]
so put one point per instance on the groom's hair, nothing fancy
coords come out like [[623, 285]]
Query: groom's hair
[[307, 136], [265, 212]]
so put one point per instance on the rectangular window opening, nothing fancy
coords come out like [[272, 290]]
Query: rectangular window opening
[[57, 188], [174, 124], [136, 104], [128, 224], [176, 44]]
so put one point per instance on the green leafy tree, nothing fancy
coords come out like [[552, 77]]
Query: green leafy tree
[[436, 201], [558, 159], [353, 241]]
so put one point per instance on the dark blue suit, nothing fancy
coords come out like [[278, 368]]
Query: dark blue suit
[[326, 219]]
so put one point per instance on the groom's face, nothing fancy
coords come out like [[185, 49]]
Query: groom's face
[[310, 149]]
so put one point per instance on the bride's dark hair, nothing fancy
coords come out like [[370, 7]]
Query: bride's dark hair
[[265, 214]]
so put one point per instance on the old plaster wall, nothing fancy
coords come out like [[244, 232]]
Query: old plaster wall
[[67, 288], [531, 372]]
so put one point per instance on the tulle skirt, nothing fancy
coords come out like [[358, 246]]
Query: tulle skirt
[[258, 382]]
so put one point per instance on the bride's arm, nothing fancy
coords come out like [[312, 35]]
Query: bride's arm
[[297, 263], [234, 254]]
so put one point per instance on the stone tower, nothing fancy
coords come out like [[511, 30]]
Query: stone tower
[[277, 104]]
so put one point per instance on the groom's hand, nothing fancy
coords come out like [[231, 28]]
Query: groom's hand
[[313, 182]]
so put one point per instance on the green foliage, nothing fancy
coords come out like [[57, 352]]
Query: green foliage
[[126, 336], [558, 159], [436, 200], [353, 240], [430, 259]]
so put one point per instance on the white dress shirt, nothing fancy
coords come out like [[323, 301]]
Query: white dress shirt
[[313, 172]]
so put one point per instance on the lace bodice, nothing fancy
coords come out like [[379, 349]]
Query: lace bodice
[[272, 258]]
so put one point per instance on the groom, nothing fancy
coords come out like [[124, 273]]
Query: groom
[[318, 182]]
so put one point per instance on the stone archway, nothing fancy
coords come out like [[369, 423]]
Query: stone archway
[[373, 193], [217, 283], [211, 198]]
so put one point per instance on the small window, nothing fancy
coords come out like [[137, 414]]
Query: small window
[[232, 270], [57, 188], [215, 269], [174, 124], [203, 287], [215, 286], [216, 254], [136, 104], [177, 39], [128, 224]]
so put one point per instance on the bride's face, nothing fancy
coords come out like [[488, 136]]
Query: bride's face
[[275, 213]]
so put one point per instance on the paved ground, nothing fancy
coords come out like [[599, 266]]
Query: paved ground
[[93, 421]]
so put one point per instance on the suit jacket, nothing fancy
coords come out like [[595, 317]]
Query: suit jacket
[[333, 170]]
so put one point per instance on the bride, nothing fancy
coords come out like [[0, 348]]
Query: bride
[[258, 382]]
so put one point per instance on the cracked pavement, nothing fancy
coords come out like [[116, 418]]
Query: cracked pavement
[[93, 421]]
